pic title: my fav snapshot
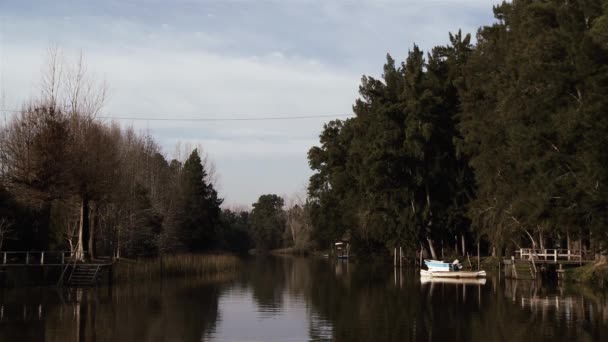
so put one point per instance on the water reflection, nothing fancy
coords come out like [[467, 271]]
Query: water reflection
[[296, 299], [132, 313]]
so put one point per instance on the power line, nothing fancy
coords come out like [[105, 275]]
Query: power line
[[209, 119], [270, 118]]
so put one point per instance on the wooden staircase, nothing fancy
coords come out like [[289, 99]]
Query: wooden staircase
[[524, 269], [81, 275]]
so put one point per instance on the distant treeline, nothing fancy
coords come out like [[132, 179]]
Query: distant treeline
[[69, 181], [503, 141]]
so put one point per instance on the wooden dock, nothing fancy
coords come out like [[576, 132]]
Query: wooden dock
[[35, 258], [72, 272], [527, 263]]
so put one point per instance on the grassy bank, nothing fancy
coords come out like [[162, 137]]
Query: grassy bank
[[593, 274], [182, 265], [300, 251]]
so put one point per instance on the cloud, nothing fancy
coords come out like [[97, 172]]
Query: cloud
[[218, 59]]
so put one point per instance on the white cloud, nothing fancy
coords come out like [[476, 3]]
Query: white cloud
[[229, 59]]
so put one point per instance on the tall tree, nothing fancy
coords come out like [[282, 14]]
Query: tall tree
[[201, 205], [267, 222]]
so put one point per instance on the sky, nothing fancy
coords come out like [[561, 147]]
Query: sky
[[227, 59]]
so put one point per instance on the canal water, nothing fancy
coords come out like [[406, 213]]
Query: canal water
[[297, 299]]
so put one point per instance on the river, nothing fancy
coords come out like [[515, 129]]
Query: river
[[298, 299]]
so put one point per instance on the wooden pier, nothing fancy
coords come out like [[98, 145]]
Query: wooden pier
[[72, 272], [35, 258], [529, 262]]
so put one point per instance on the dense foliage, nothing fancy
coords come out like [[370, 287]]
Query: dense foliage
[[267, 222], [506, 136], [87, 185]]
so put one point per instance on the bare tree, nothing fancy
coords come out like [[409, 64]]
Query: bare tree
[[84, 95], [68, 86], [298, 222]]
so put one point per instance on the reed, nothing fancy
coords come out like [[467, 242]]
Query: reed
[[174, 266]]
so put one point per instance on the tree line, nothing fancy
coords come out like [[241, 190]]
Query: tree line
[[502, 141], [71, 181], [498, 141]]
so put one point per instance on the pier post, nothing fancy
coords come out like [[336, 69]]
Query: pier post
[[400, 257], [41, 258], [555, 255], [478, 257]]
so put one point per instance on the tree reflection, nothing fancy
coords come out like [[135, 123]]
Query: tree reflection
[[371, 303], [339, 301], [175, 311], [267, 279]]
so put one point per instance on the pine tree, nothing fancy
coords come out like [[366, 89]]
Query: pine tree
[[201, 206]]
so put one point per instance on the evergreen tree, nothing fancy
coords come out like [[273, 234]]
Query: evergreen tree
[[201, 206], [533, 122]]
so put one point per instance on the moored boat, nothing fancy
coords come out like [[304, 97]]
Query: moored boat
[[442, 266], [442, 269], [462, 281], [453, 274]]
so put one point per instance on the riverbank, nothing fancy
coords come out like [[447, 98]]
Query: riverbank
[[298, 251], [174, 266], [595, 274]]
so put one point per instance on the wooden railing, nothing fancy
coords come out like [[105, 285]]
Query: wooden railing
[[36, 258], [549, 255]]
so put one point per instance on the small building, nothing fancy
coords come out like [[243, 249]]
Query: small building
[[342, 249]]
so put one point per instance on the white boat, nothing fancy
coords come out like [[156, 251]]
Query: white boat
[[464, 281], [452, 274], [442, 266], [442, 269]]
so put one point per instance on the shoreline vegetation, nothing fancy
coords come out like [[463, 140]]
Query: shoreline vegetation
[[595, 274], [174, 266]]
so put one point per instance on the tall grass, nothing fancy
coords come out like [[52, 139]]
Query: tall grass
[[174, 266]]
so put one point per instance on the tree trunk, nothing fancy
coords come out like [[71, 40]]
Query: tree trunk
[[82, 228], [117, 256], [429, 224], [433, 254], [464, 248], [92, 226], [530, 236], [568, 243]]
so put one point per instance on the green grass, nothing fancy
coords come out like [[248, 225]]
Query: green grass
[[301, 251], [174, 266], [593, 274]]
